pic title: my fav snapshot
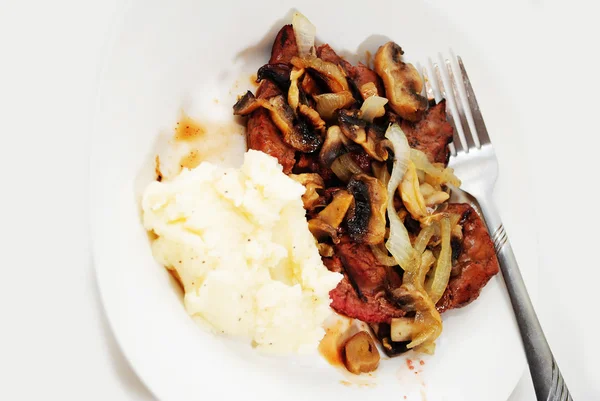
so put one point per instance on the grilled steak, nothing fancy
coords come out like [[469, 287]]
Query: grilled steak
[[358, 75], [432, 134], [263, 135], [284, 47], [476, 262], [361, 294]]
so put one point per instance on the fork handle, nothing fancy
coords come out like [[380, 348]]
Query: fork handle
[[547, 380]]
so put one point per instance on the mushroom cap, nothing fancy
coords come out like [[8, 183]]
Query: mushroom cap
[[402, 82]]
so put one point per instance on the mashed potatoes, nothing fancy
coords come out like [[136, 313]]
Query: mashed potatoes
[[239, 241]]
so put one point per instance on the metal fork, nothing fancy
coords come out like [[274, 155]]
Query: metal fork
[[474, 161]]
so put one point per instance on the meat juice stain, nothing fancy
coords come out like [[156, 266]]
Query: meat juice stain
[[330, 346], [191, 160], [205, 140], [253, 79], [188, 130], [157, 173]]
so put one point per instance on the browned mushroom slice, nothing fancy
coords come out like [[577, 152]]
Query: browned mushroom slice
[[352, 125], [365, 135], [312, 182], [296, 134], [360, 355], [333, 147], [277, 73], [328, 103], [328, 220], [246, 104], [402, 82], [366, 218], [299, 136], [405, 296], [330, 73], [383, 333]]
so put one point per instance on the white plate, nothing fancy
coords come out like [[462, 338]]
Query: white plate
[[182, 54]]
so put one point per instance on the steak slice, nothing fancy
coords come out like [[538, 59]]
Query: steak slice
[[345, 300], [362, 292], [431, 134], [358, 75], [267, 89], [263, 135], [476, 263], [309, 163], [284, 46]]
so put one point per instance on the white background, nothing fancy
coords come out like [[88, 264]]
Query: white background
[[54, 339]]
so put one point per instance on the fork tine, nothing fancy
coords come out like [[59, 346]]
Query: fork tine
[[424, 89], [427, 85], [470, 134], [482, 132], [459, 136], [430, 95]]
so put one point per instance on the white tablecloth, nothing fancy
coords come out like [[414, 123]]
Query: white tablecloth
[[55, 342]]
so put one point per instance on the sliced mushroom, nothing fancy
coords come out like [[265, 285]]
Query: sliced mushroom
[[360, 355], [328, 103], [352, 125], [407, 297], [312, 182], [402, 82], [330, 73], [403, 329], [362, 133], [313, 117], [279, 74], [296, 133], [376, 146], [391, 348], [294, 92], [321, 230], [328, 220], [246, 104], [281, 114], [298, 136], [333, 147], [366, 218]]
